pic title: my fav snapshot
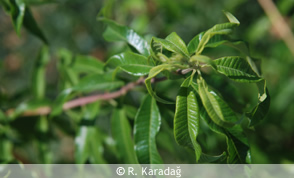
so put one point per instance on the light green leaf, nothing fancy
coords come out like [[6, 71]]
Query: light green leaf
[[87, 64], [216, 110], [39, 80], [116, 32], [153, 72], [203, 59], [259, 112], [17, 12], [147, 125], [174, 44], [236, 68], [219, 29], [187, 115], [131, 63], [121, 132]]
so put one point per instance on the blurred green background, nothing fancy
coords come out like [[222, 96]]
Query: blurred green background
[[72, 25]]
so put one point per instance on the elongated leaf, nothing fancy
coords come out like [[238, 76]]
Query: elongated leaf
[[17, 12], [237, 145], [121, 132], [116, 32], [236, 68], [203, 59], [213, 107], [187, 115], [219, 29], [131, 63], [260, 111], [147, 125], [39, 81], [87, 64], [178, 43], [153, 72], [88, 84]]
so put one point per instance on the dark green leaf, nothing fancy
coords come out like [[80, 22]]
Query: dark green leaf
[[205, 158], [147, 125], [187, 115], [260, 111], [121, 132], [131, 63], [116, 32], [153, 72], [237, 69]]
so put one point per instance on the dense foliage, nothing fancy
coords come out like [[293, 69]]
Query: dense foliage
[[154, 100]]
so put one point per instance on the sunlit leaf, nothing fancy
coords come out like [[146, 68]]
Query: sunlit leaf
[[87, 64], [121, 132], [203, 59], [147, 125]]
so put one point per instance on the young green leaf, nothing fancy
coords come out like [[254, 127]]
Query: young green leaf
[[121, 132], [203, 59], [153, 72], [147, 125], [87, 64], [219, 29], [236, 68], [131, 63], [116, 32], [187, 115], [216, 110], [172, 43]]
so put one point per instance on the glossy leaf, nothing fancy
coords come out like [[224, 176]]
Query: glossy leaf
[[178, 42], [116, 32], [154, 72], [217, 111], [205, 158], [131, 63], [147, 125], [87, 64], [259, 112], [236, 68], [121, 132], [187, 115]]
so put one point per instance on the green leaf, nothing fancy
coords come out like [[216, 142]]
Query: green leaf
[[88, 84], [203, 59], [237, 145], [259, 112], [87, 64], [131, 63], [121, 132], [187, 115], [39, 80], [153, 72], [116, 32], [205, 158], [217, 110], [172, 43], [17, 12], [219, 29], [147, 125], [236, 68]]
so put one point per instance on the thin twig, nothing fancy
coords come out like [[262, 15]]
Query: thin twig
[[87, 99], [278, 22]]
